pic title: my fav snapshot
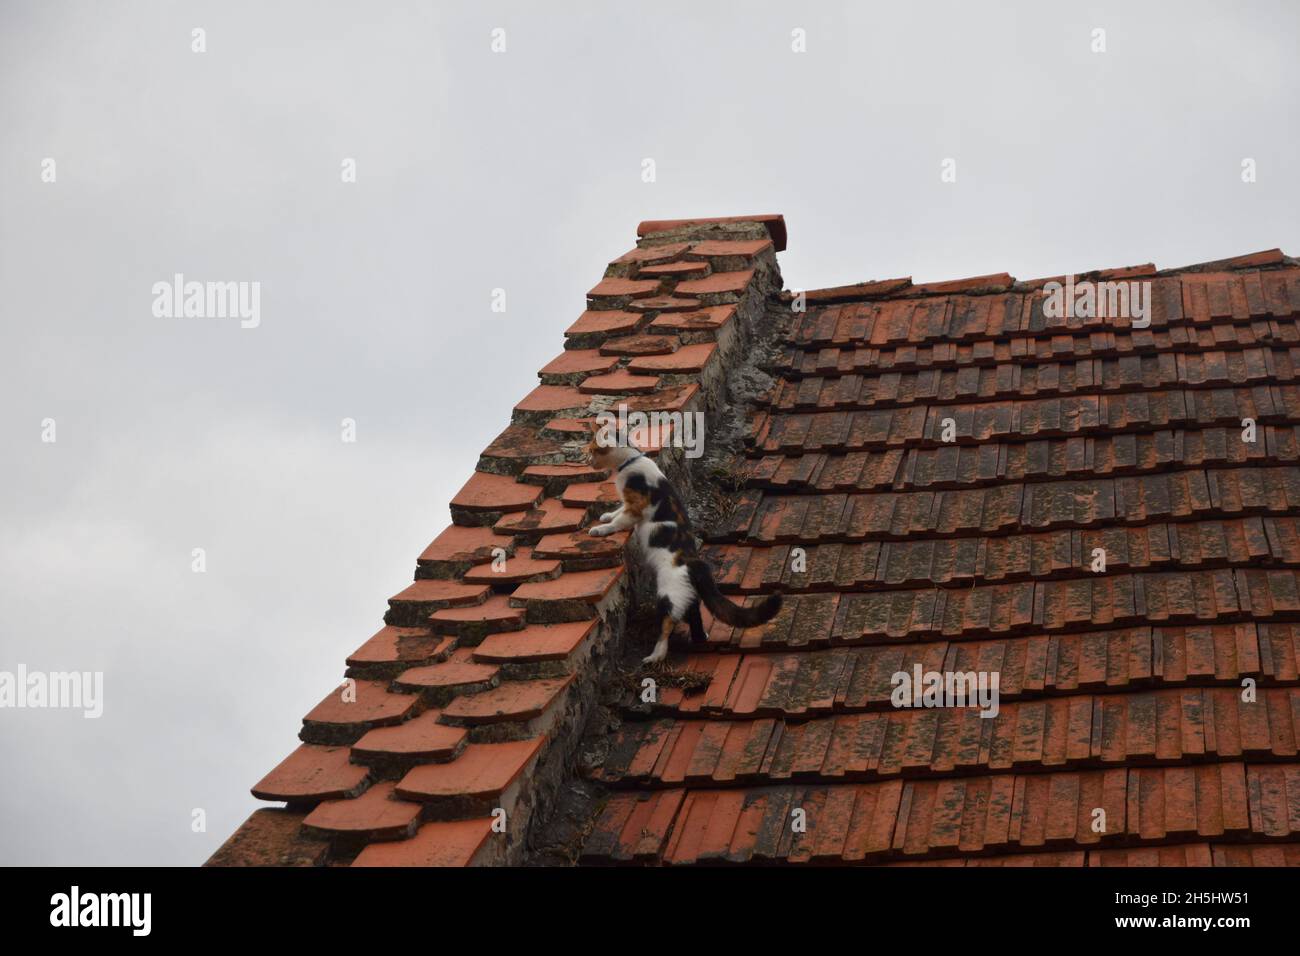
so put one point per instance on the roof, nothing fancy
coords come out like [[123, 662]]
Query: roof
[[929, 479]]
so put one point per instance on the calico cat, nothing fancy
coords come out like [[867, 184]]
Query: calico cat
[[663, 530]]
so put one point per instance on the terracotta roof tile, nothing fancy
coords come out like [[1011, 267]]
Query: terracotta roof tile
[[423, 738], [396, 646], [552, 400], [520, 567], [773, 222], [464, 545], [313, 773], [587, 494], [676, 270], [718, 284], [460, 675], [377, 815], [582, 586], [666, 303], [715, 248], [600, 323], [535, 643], [689, 359], [664, 252], [640, 345], [991, 283], [482, 772], [705, 321], [271, 837], [624, 288], [571, 367], [509, 702], [355, 707], [471, 624], [411, 606], [490, 493], [553, 517], [621, 382], [444, 843], [580, 551]]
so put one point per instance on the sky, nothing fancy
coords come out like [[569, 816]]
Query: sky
[[522, 169]]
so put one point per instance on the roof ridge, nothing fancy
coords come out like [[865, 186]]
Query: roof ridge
[[1003, 282], [457, 711]]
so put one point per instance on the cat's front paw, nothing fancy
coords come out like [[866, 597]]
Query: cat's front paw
[[608, 516], [600, 530], [655, 656]]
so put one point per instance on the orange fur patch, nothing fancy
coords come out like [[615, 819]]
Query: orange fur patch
[[635, 503]]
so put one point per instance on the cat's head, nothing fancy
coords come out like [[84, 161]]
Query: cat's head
[[604, 450]]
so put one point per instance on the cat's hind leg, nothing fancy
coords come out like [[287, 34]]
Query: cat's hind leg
[[666, 623]]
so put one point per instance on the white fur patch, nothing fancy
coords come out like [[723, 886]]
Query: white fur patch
[[672, 581], [642, 466], [658, 654]]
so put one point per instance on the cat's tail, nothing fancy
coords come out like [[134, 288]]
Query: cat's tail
[[725, 610]]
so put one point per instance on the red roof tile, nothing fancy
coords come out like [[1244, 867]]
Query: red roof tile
[[313, 773], [689, 359], [585, 586], [520, 567], [493, 615], [483, 771], [510, 702], [391, 646], [535, 643], [574, 365], [460, 675], [664, 252], [605, 322], [377, 815], [423, 738], [444, 843], [462, 545], [774, 223], [624, 288], [488, 493], [355, 707], [271, 837], [666, 304], [676, 270], [718, 248], [621, 382], [721, 283]]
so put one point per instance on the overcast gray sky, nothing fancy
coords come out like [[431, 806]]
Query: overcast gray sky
[[475, 170]]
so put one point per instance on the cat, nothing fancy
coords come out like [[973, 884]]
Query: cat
[[651, 506]]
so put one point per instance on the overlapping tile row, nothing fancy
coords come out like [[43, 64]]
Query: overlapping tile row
[[929, 483], [1160, 371], [753, 569], [1131, 808], [809, 683], [953, 466], [1078, 730], [1098, 600], [843, 357], [1017, 420], [447, 712], [1193, 299], [1008, 508]]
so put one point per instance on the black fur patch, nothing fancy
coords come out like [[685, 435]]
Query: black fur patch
[[665, 505], [672, 537]]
